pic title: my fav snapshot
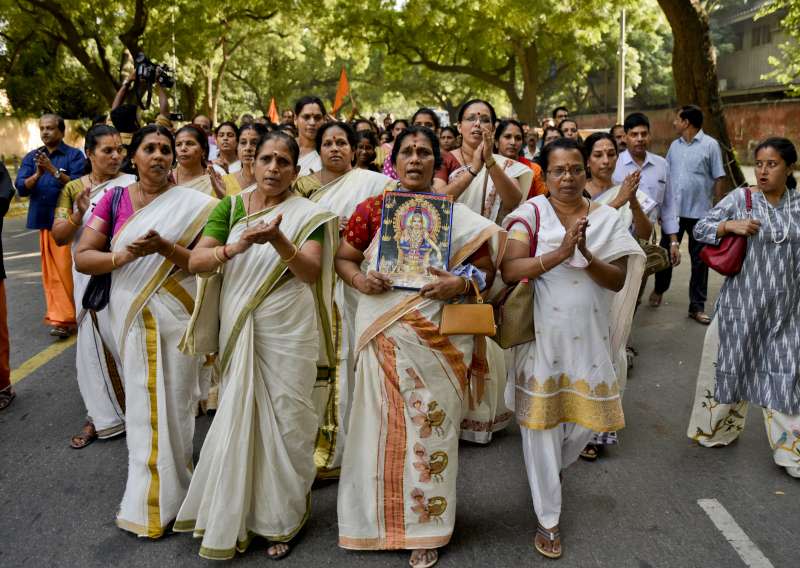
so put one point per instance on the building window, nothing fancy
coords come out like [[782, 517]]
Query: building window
[[738, 40], [761, 35]]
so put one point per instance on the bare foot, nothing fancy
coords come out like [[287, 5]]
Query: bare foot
[[423, 558]]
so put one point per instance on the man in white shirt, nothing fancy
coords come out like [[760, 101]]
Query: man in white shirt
[[654, 181]]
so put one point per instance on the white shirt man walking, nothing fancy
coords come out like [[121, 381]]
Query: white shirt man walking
[[698, 179]]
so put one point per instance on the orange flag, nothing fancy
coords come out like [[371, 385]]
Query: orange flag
[[273, 112], [341, 92]]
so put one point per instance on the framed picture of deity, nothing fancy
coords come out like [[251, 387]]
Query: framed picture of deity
[[415, 235]]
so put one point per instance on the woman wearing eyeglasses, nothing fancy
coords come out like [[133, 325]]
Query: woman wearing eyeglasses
[[487, 183], [586, 274]]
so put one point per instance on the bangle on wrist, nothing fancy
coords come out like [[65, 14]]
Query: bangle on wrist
[[225, 252], [216, 255], [113, 261], [172, 251], [541, 263], [73, 223], [466, 285], [472, 172], [353, 278], [294, 254]]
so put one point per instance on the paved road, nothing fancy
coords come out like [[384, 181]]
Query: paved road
[[637, 507]]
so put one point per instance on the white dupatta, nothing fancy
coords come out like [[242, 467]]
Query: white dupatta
[[179, 214], [343, 194]]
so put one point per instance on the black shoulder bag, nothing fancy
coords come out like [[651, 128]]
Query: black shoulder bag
[[98, 290]]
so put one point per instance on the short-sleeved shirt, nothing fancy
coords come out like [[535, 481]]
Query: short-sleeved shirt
[[365, 222], [694, 168], [44, 194], [220, 222]]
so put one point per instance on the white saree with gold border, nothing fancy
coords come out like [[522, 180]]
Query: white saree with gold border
[[202, 184], [490, 414], [575, 370], [151, 302], [96, 356], [398, 483], [257, 463], [334, 388]]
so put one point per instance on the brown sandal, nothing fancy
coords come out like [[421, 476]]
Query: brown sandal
[[700, 317], [86, 436]]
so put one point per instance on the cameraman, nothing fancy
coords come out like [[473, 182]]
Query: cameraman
[[125, 114]]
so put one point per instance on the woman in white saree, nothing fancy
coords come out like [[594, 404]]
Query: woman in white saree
[[338, 187], [634, 206], [568, 381], [97, 360], [151, 299], [193, 169], [492, 186], [256, 467], [412, 386], [309, 115]]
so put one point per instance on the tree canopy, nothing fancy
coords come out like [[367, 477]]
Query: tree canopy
[[233, 56]]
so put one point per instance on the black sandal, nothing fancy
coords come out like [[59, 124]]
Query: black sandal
[[280, 555], [591, 452]]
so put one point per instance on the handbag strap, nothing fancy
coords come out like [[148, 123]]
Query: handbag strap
[[748, 201], [533, 236], [116, 198]]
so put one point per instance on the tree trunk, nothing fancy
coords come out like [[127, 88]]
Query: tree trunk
[[525, 105], [694, 71]]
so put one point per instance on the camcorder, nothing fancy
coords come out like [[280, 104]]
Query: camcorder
[[147, 75]]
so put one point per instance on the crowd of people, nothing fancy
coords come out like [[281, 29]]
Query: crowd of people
[[233, 270]]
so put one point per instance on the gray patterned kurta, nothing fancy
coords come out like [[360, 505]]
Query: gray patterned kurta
[[759, 308]]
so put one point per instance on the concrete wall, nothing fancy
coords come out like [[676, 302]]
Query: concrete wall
[[748, 124], [20, 136]]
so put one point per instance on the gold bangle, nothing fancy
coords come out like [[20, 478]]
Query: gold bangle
[[217, 256], [490, 165], [113, 261], [591, 260], [541, 263], [353, 278], [174, 244], [291, 258], [73, 223]]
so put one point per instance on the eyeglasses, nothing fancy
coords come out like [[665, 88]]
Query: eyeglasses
[[574, 171], [482, 118]]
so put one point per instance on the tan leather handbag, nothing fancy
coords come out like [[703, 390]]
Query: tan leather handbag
[[513, 307], [468, 319], [657, 256]]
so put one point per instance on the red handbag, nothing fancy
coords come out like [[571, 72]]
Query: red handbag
[[728, 256]]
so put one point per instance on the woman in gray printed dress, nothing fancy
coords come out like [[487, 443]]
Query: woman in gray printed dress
[[758, 312]]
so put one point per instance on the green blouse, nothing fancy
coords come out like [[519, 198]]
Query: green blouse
[[218, 227]]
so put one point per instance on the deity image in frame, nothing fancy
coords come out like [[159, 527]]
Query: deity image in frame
[[415, 235]]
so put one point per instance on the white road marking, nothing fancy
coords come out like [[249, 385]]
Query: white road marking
[[733, 533], [13, 256], [18, 235]]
